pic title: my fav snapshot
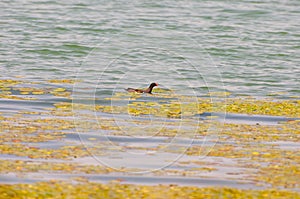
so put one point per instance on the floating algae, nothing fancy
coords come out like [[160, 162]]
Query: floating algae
[[55, 189], [26, 133]]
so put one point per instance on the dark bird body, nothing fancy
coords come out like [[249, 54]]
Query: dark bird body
[[148, 90]]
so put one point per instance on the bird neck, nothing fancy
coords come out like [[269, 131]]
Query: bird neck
[[149, 90]]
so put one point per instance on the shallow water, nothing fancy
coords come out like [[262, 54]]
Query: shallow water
[[193, 48]]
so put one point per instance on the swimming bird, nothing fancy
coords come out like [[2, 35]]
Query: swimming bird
[[148, 90]]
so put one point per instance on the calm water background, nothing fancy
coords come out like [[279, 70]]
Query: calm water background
[[245, 47]]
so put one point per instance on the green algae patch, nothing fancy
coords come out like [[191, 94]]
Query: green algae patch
[[65, 152], [285, 131], [24, 90], [289, 108], [20, 166], [62, 81], [5, 84], [182, 107], [54, 189]]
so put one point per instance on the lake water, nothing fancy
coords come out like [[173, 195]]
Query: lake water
[[246, 48]]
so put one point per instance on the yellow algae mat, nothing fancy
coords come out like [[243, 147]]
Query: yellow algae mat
[[45, 132], [120, 191]]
